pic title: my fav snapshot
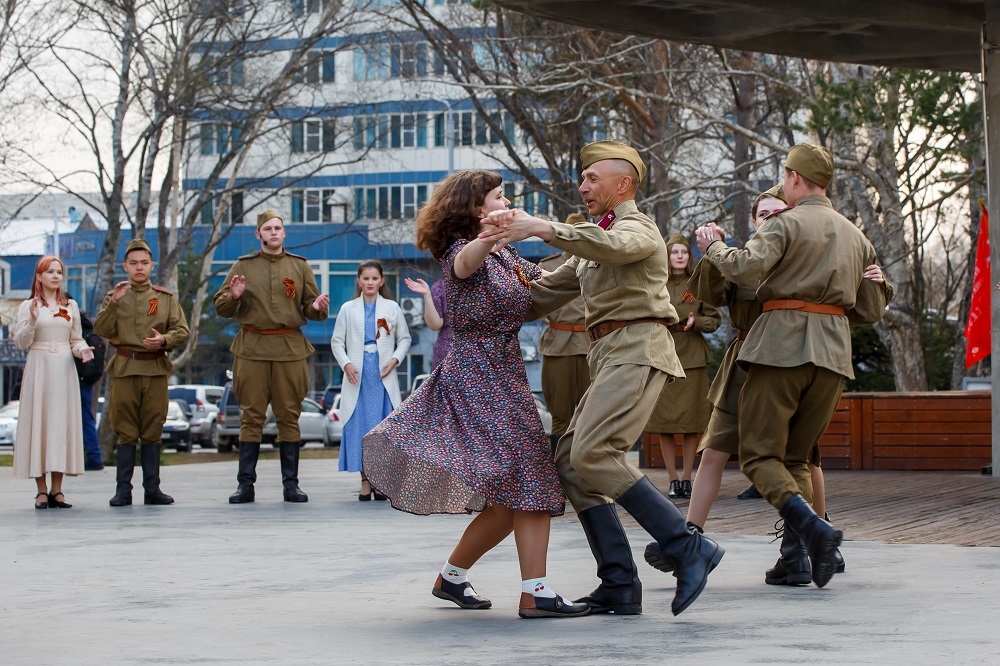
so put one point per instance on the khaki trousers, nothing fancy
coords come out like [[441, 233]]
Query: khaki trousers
[[138, 408], [564, 381], [283, 384], [610, 418], [783, 413]]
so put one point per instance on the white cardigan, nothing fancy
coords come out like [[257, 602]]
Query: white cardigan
[[348, 345]]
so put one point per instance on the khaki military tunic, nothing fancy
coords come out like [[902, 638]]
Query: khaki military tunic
[[683, 405], [565, 374], [796, 361], [622, 275], [270, 349], [138, 399]]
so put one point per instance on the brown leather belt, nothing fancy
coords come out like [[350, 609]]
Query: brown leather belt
[[598, 331], [741, 334], [804, 306], [271, 331], [139, 355], [566, 326]]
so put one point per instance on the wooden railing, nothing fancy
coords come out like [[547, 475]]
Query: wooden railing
[[947, 430]]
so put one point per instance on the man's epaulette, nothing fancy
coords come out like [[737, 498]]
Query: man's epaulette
[[160, 289], [768, 217], [297, 256], [250, 256]]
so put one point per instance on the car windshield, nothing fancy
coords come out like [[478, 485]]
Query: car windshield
[[188, 395], [9, 410]]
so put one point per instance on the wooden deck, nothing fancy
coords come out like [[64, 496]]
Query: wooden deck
[[960, 508]]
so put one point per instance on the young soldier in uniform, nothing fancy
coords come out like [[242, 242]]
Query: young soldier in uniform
[[620, 267], [271, 293], [810, 262], [142, 322], [564, 346]]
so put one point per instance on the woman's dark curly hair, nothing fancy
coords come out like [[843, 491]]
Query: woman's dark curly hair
[[452, 212]]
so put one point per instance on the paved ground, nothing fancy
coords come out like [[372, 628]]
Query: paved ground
[[336, 581]]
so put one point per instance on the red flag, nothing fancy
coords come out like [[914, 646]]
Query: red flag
[[977, 330]]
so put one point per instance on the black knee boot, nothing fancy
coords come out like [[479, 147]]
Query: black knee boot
[[792, 567], [246, 475], [691, 555], [126, 466], [290, 472], [838, 557], [821, 538], [620, 591], [150, 457]]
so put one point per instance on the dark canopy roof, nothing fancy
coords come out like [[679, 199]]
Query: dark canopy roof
[[928, 34]]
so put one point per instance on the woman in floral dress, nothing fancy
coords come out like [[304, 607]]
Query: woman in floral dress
[[469, 439]]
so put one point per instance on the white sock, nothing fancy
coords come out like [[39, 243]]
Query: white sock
[[538, 587], [454, 574]]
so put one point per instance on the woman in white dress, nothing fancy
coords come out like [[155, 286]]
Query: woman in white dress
[[49, 426]]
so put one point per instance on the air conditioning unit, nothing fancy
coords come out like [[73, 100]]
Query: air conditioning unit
[[413, 311]]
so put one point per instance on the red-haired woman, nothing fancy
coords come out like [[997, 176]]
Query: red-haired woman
[[49, 422], [469, 439]]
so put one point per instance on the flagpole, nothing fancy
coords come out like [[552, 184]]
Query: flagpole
[[991, 102]]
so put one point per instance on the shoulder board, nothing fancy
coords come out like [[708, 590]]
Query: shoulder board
[[250, 256], [162, 289], [779, 212], [297, 256]]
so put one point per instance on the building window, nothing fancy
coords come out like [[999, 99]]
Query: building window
[[313, 206], [398, 130], [408, 60], [233, 215], [224, 72], [300, 7], [594, 129], [217, 138], [371, 62], [319, 67], [535, 203], [313, 136], [395, 202]]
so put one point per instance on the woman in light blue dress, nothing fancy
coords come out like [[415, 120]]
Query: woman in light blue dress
[[370, 339]]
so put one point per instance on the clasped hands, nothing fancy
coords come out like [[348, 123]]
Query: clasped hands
[[707, 235], [507, 226]]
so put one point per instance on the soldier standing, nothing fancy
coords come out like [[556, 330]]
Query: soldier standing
[[810, 262], [142, 322], [620, 267], [271, 293], [564, 346]]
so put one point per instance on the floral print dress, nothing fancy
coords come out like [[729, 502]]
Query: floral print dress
[[470, 435]]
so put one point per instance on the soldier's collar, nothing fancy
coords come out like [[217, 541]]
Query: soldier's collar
[[141, 287]]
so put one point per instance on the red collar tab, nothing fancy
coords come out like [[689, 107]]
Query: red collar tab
[[607, 220]]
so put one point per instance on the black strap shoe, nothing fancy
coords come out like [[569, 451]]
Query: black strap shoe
[[535, 607], [455, 593]]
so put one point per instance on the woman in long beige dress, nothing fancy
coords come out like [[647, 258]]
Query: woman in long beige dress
[[49, 421], [683, 406]]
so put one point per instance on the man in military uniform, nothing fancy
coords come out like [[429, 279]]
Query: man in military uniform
[[271, 293], [564, 346], [620, 267], [810, 262], [142, 322]]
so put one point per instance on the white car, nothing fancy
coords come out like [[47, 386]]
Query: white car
[[334, 426], [8, 423], [177, 428], [312, 424]]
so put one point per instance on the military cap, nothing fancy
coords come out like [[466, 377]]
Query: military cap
[[138, 244], [775, 192], [575, 218], [676, 239], [612, 150], [813, 162], [267, 216]]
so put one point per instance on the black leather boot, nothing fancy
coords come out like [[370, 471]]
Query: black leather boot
[[150, 457], [246, 475], [126, 466], [290, 472], [792, 567], [620, 591], [692, 555], [821, 538], [838, 557]]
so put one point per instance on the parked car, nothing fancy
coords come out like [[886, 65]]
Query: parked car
[[204, 400], [8, 423], [334, 426], [312, 424], [177, 429], [329, 393]]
